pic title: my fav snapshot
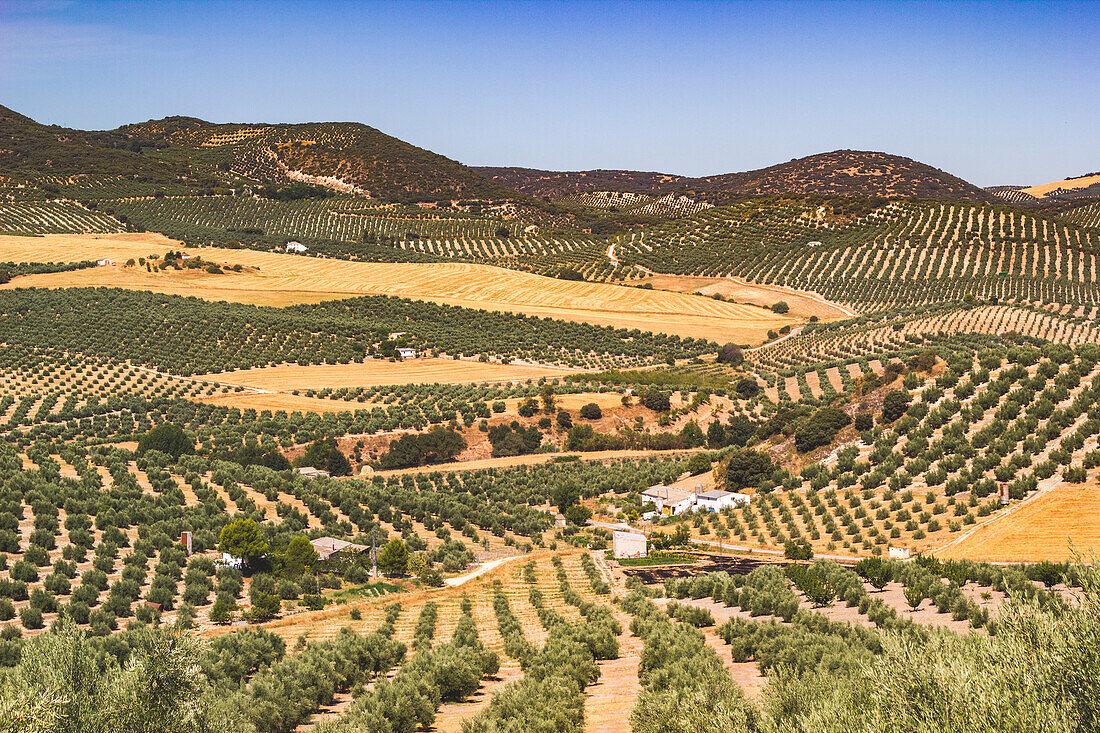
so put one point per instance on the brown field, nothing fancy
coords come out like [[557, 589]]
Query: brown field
[[377, 372], [282, 279], [278, 401], [1041, 530]]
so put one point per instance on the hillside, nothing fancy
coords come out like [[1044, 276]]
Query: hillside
[[180, 154], [346, 156], [51, 154], [836, 173]]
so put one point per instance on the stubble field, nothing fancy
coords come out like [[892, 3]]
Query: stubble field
[[282, 279]]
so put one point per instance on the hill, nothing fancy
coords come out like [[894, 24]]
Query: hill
[[31, 151], [345, 156], [180, 154], [836, 173]]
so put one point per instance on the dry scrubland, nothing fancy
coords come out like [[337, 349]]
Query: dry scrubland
[[288, 279]]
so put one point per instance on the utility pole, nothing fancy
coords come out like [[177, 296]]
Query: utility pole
[[373, 556]]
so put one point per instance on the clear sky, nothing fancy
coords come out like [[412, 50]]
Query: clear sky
[[998, 93]]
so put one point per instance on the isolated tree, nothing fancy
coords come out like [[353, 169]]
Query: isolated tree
[[747, 388], [780, 307], [875, 571], [746, 467], [241, 538], [393, 560], [894, 405], [300, 557], [591, 411], [731, 354]]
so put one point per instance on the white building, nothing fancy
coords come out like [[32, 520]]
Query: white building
[[716, 500], [231, 561], [899, 553], [103, 262], [406, 352], [296, 247], [668, 500], [326, 547], [312, 472], [629, 544]]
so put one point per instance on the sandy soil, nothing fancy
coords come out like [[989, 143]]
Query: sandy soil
[[283, 279]]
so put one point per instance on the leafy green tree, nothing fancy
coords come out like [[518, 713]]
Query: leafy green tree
[[393, 560], [578, 514], [591, 411], [746, 468], [780, 307], [894, 405], [300, 557], [731, 354], [798, 550], [875, 571], [241, 538], [167, 438]]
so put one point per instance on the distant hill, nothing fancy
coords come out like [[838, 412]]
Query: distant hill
[[32, 151], [347, 156], [837, 173], [1085, 186], [185, 151]]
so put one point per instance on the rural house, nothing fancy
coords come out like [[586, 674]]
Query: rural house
[[668, 500], [716, 500], [406, 352], [311, 472], [296, 247], [629, 544]]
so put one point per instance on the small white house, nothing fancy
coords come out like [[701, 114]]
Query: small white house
[[629, 544], [406, 352], [668, 500], [813, 244], [104, 262], [716, 500], [899, 553], [296, 247]]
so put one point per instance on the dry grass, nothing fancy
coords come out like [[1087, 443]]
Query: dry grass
[[741, 291], [1043, 189], [533, 459], [1041, 530], [377, 372], [284, 279]]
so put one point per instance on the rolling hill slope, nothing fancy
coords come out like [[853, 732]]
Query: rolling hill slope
[[836, 173]]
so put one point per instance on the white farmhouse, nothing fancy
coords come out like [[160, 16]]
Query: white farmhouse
[[629, 544], [104, 262], [296, 247], [716, 500], [668, 500], [406, 352]]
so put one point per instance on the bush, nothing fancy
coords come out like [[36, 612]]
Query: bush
[[864, 421], [731, 354], [31, 618], [591, 411], [894, 405], [781, 307], [820, 429]]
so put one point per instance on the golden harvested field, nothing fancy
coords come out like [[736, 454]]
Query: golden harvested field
[[377, 372], [1041, 530], [736, 289], [1043, 189], [532, 459], [284, 279]]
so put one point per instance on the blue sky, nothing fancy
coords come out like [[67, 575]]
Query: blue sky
[[993, 92]]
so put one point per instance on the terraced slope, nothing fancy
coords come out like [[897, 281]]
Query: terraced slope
[[899, 253]]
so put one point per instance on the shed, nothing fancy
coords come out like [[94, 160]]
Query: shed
[[326, 547], [297, 247], [899, 553], [629, 544], [312, 472]]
